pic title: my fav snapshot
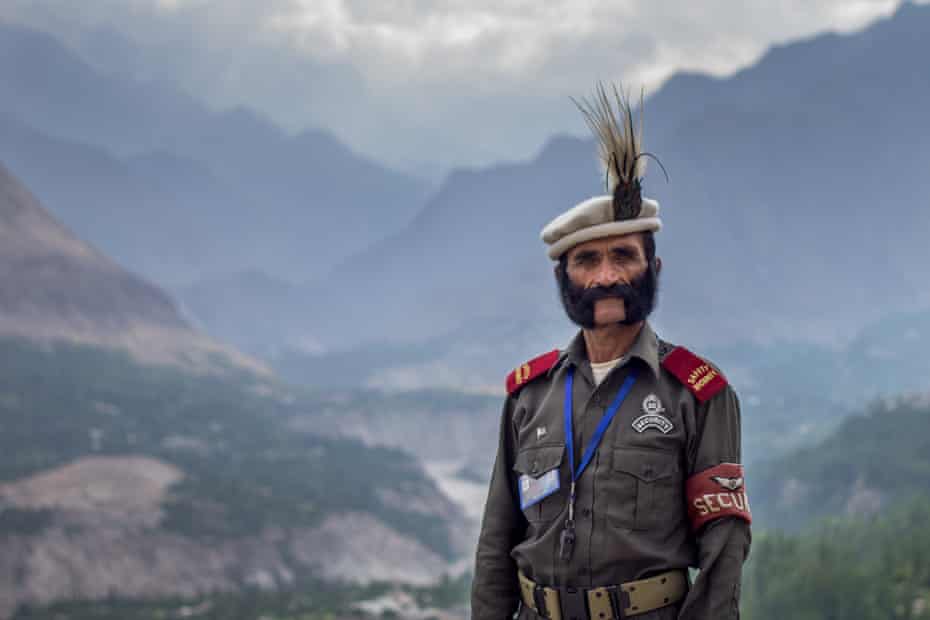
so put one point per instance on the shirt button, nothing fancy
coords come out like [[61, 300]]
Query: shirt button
[[586, 512]]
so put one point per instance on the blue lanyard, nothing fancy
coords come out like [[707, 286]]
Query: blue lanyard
[[567, 537], [601, 427]]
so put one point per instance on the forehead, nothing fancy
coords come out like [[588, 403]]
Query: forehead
[[606, 244]]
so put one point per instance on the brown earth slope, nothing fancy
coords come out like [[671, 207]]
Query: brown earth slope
[[55, 286], [101, 537]]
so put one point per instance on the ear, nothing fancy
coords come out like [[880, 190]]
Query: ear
[[658, 264]]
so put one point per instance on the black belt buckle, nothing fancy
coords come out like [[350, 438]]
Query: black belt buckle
[[539, 598], [619, 601], [574, 603]]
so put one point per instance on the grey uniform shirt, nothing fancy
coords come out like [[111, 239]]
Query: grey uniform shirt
[[631, 520]]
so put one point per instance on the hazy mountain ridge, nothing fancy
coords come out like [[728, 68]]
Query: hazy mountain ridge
[[222, 305], [795, 394], [53, 286], [41, 258], [261, 199], [791, 393], [780, 219], [128, 211]]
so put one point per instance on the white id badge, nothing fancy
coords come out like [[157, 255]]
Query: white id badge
[[533, 490]]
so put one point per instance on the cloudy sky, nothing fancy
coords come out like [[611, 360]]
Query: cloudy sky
[[424, 85]]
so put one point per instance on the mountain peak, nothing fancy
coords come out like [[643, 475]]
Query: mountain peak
[[908, 8], [28, 231], [50, 273], [53, 286]]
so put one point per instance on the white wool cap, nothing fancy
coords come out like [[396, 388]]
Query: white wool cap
[[594, 219]]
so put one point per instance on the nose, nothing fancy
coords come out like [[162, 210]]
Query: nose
[[607, 274]]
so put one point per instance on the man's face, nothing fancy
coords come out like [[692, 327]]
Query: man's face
[[608, 281]]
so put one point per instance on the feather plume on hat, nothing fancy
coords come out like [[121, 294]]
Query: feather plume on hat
[[624, 210], [620, 147]]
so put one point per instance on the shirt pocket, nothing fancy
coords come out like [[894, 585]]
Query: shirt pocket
[[648, 488], [536, 462]]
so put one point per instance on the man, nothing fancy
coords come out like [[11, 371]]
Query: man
[[618, 462]]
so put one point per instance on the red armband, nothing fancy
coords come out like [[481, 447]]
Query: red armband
[[717, 492]]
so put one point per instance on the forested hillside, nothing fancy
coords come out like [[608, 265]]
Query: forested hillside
[[870, 461], [864, 569], [148, 481], [237, 452]]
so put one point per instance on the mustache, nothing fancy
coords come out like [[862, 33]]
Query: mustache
[[638, 296], [596, 293]]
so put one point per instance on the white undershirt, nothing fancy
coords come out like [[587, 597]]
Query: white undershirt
[[602, 369]]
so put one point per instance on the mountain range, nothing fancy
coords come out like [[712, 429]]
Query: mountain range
[[795, 212], [795, 232], [178, 191], [796, 207]]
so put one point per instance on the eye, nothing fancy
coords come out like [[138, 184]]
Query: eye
[[621, 256], [585, 259]]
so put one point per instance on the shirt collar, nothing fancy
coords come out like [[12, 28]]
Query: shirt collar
[[645, 347]]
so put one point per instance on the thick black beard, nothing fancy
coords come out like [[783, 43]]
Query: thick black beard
[[639, 297]]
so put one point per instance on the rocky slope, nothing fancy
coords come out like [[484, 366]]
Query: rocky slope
[[100, 538], [56, 286]]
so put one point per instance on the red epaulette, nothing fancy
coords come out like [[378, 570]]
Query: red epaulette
[[701, 378], [525, 373]]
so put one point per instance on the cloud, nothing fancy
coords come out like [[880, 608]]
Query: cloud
[[395, 42], [424, 83]]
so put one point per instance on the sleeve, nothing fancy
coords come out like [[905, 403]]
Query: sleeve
[[719, 510], [495, 589]]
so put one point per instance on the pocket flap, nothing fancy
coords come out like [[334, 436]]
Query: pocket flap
[[537, 461], [647, 465]]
